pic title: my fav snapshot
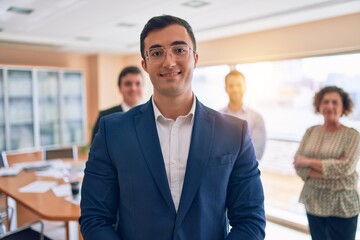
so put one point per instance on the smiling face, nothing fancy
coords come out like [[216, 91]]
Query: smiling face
[[235, 88], [131, 89], [170, 77], [331, 107]]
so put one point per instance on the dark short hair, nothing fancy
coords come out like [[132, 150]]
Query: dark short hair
[[126, 71], [163, 21], [345, 98]]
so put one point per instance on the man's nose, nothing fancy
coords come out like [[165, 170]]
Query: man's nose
[[133, 87], [169, 59]]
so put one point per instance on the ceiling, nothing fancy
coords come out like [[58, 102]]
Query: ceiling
[[114, 26]]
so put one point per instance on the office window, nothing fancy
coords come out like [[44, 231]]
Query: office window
[[209, 85], [282, 91]]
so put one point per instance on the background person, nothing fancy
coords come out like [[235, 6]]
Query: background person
[[172, 168], [326, 161], [131, 85], [235, 87]]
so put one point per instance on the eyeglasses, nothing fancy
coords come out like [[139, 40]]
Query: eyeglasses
[[179, 52]]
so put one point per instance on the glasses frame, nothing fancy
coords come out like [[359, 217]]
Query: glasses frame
[[165, 52]]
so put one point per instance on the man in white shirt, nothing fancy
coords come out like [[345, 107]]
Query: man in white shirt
[[235, 88], [171, 168]]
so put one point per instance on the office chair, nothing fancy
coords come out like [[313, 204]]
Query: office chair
[[6, 214], [65, 152], [26, 232], [14, 157], [5, 217], [3, 160]]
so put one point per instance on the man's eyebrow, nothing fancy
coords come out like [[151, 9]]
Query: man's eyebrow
[[178, 42], [155, 46], [172, 44]]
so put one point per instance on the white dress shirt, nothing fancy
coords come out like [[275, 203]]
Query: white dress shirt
[[175, 138], [256, 126], [125, 107]]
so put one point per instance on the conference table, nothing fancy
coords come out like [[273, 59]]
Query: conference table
[[35, 206]]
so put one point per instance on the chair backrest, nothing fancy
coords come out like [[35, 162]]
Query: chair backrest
[[65, 152], [27, 232], [3, 160], [22, 157], [3, 200]]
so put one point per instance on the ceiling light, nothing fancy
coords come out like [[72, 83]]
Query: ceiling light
[[126, 25], [20, 10], [195, 4]]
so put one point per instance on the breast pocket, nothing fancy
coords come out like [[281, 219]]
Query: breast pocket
[[220, 160]]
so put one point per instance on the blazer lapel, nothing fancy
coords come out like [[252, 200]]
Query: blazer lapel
[[201, 144], [149, 142]]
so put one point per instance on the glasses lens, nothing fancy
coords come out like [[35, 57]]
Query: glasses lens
[[157, 55], [180, 51]]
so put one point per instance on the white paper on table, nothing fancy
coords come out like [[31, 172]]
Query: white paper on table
[[59, 164], [56, 163], [27, 164], [55, 173], [62, 190], [9, 171], [38, 186]]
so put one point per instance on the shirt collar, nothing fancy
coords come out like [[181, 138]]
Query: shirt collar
[[242, 110], [191, 113], [125, 107]]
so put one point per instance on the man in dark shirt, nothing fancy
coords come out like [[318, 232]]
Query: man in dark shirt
[[131, 84]]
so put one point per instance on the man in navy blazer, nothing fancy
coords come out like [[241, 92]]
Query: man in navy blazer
[[171, 168], [130, 84]]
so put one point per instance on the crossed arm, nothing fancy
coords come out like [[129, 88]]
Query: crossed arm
[[315, 166], [331, 168]]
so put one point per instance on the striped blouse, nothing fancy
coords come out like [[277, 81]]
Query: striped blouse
[[336, 194]]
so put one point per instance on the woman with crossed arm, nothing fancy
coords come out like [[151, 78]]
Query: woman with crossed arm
[[326, 161]]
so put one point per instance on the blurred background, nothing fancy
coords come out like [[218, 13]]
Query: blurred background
[[60, 59]]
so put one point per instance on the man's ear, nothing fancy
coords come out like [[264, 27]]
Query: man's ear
[[144, 65], [196, 58], [119, 88]]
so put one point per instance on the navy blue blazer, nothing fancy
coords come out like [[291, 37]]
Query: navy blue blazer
[[125, 174], [103, 113]]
